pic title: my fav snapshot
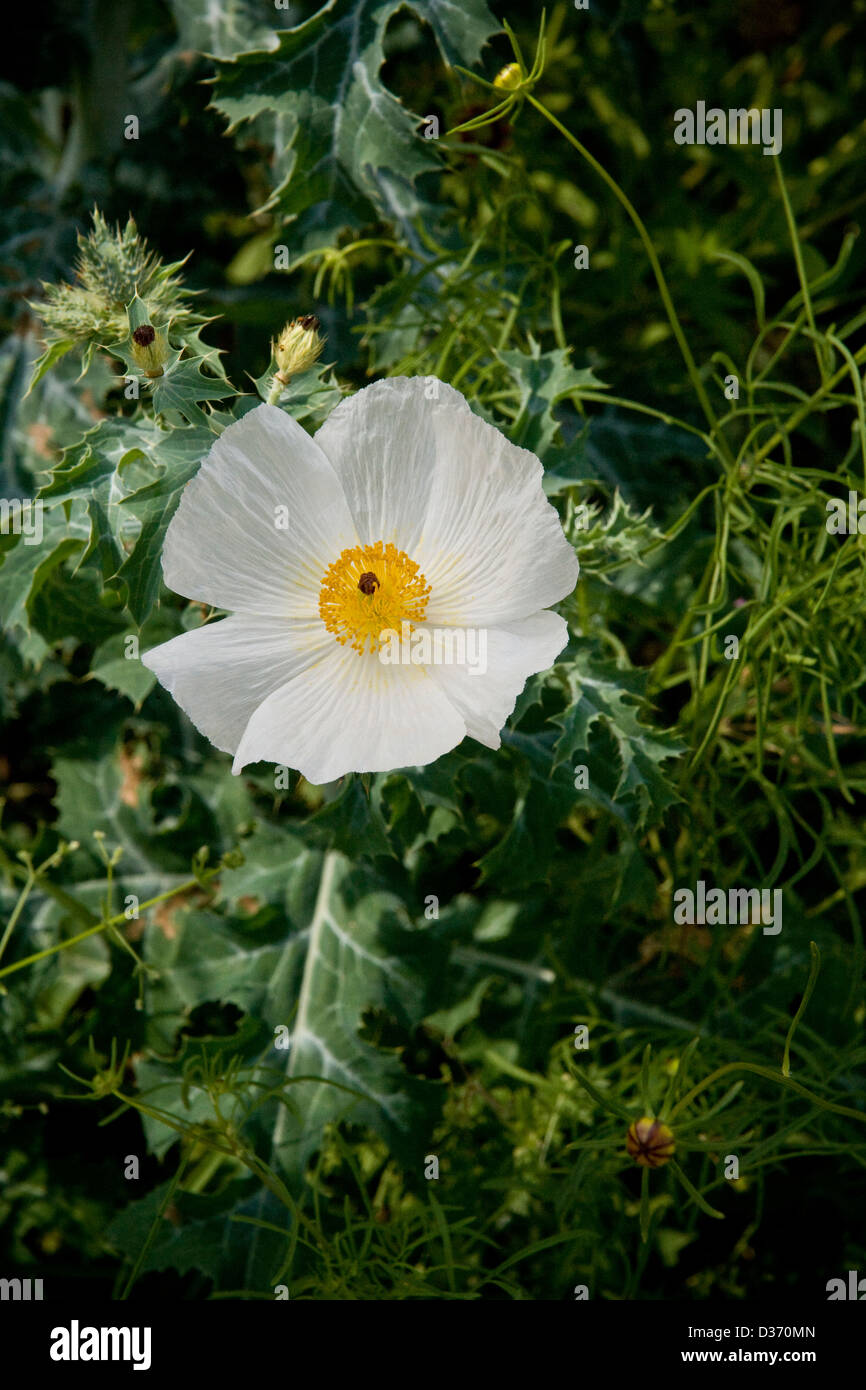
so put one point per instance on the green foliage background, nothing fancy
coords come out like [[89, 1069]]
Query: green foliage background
[[695, 517]]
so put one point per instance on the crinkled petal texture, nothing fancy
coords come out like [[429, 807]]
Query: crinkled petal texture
[[451, 491], [403, 461], [484, 690], [350, 712], [221, 673], [260, 522]]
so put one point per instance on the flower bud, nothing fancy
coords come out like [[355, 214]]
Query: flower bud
[[149, 350], [297, 348], [649, 1142], [508, 78]]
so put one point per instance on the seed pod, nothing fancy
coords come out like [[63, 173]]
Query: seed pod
[[649, 1142]]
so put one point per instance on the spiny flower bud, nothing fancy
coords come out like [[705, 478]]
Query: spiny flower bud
[[508, 78], [649, 1142], [112, 267], [297, 348], [149, 350]]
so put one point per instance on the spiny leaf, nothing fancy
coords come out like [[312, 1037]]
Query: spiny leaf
[[131, 474], [27, 565], [350, 151], [117, 669], [344, 944], [154, 505], [609, 537], [183, 385], [193, 1239], [223, 30], [599, 690], [542, 379]]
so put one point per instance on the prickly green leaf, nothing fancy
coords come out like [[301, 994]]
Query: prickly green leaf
[[344, 945], [182, 385], [348, 151], [118, 666], [542, 379], [131, 475], [223, 30], [154, 505], [27, 565], [599, 691], [193, 1239], [48, 358]]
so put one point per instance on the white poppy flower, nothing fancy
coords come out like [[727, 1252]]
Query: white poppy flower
[[403, 515]]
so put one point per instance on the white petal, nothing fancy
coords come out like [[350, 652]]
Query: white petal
[[351, 713], [220, 673], [450, 490], [385, 443], [224, 545], [514, 652]]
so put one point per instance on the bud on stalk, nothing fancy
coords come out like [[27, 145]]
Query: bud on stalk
[[297, 348], [649, 1142]]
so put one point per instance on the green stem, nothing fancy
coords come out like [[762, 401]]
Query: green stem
[[807, 994], [644, 235], [72, 905], [102, 926], [199, 1179], [645, 1213], [694, 1193], [17, 910], [605, 399], [151, 1235], [768, 1075], [798, 259], [659, 672], [806, 408]]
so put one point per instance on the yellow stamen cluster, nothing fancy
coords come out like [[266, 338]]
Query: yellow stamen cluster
[[369, 590]]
